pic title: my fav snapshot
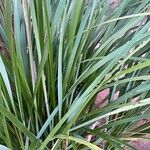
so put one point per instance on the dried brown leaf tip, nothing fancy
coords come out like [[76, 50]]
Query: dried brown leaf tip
[[3, 49]]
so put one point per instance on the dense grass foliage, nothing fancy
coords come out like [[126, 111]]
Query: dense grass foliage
[[56, 56]]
